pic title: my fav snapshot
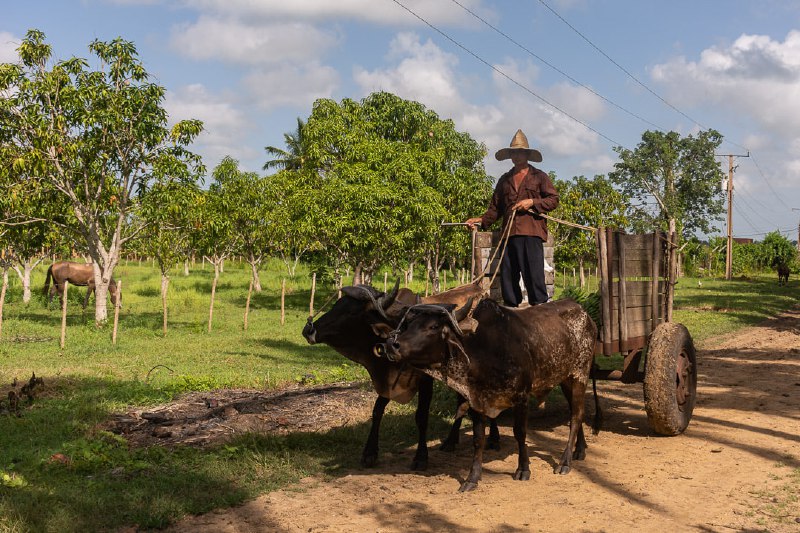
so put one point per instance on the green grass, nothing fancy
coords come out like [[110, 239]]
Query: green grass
[[107, 484]]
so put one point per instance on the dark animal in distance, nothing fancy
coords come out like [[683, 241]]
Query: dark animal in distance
[[81, 274], [783, 274], [511, 355], [356, 322]]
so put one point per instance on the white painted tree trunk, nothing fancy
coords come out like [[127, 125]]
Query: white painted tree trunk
[[3, 297], [254, 269], [217, 269], [24, 270], [164, 287]]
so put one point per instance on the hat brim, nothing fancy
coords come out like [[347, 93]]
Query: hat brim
[[505, 153]]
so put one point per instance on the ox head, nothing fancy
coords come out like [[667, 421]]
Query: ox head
[[425, 335], [352, 317]]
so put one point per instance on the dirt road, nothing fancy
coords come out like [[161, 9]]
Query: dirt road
[[734, 469]]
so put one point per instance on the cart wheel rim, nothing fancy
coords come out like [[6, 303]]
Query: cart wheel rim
[[683, 377]]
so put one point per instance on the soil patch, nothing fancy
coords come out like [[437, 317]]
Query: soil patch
[[734, 469]]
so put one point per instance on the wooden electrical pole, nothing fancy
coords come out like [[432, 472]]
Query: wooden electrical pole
[[798, 230], [729, 248]]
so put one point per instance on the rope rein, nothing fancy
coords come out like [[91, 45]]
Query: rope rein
[[334, 293], [500, 248]]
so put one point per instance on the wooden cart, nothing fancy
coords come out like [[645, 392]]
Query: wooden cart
[[637, 278]]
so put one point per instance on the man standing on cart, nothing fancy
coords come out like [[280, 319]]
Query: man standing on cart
[[524, 191]]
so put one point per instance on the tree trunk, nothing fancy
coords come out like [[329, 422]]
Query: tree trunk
[[213, 292], [186, 267], [254, 268], [3, 297], [164, 286], [24, 274]]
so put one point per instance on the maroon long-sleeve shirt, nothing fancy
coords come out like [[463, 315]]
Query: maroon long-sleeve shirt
[[535, 185]]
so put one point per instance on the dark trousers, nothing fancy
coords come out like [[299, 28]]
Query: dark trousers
[[524, 255]]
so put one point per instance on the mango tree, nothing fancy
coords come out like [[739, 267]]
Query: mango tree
[[212, 230], [680, 174], [97, 137], [294, 215], [592, 203], [168, 209], [250, 216], [386, 173]]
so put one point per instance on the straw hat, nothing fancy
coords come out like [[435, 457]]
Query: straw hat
[[519, 142]]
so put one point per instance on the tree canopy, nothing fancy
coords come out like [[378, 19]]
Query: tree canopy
[[680, 174], [97, 137], [383, 173]]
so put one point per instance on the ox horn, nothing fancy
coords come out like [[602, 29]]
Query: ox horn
[[461, 314], [388, 299], [371, 297]]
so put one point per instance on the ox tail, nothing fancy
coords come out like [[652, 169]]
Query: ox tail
[[598, 413], [47, 279]]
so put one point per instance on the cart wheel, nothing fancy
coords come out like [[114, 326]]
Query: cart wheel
[[670, 379]]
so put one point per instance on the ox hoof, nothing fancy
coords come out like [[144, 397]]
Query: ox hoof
[[562, 469], [468, 486], [419, 464], [368, 461], [522, 475], [448, 446]]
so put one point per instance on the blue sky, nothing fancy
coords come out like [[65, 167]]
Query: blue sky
[[578, 76]]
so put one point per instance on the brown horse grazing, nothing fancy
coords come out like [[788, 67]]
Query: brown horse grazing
[[81, 274], [783, 274]]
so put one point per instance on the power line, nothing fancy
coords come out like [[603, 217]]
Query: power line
[[741, 198], [572, 79], [764, 177], [506, 76], [631, 76], [623, 69]]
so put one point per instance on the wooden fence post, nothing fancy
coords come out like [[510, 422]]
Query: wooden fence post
[[64, 315], [385, 281], [247, 304], [313, 290], [283, 301], [3, 298], [116, 312]]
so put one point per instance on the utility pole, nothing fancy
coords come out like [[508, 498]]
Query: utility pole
[[798, 230], [729, 250]]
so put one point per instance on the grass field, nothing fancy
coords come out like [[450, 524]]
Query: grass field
[[106, 485]]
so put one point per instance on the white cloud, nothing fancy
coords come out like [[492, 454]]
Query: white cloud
[[554, 133], [8, 47], [291, 84], [233, 41], [424, 73], [381, 12], [755, 75], [421, 71], [225, 128]]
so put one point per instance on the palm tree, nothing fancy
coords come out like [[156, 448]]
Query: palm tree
[[294, 156]]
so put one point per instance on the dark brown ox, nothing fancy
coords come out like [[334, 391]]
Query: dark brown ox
[[783, 274], [511, 355], [357, 321], [81, 274]]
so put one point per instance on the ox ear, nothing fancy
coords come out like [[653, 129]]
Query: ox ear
[[382, 330]]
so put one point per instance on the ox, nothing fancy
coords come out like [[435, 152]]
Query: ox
[[783, 274], [363, 317], [511, 355], [81, 274]]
